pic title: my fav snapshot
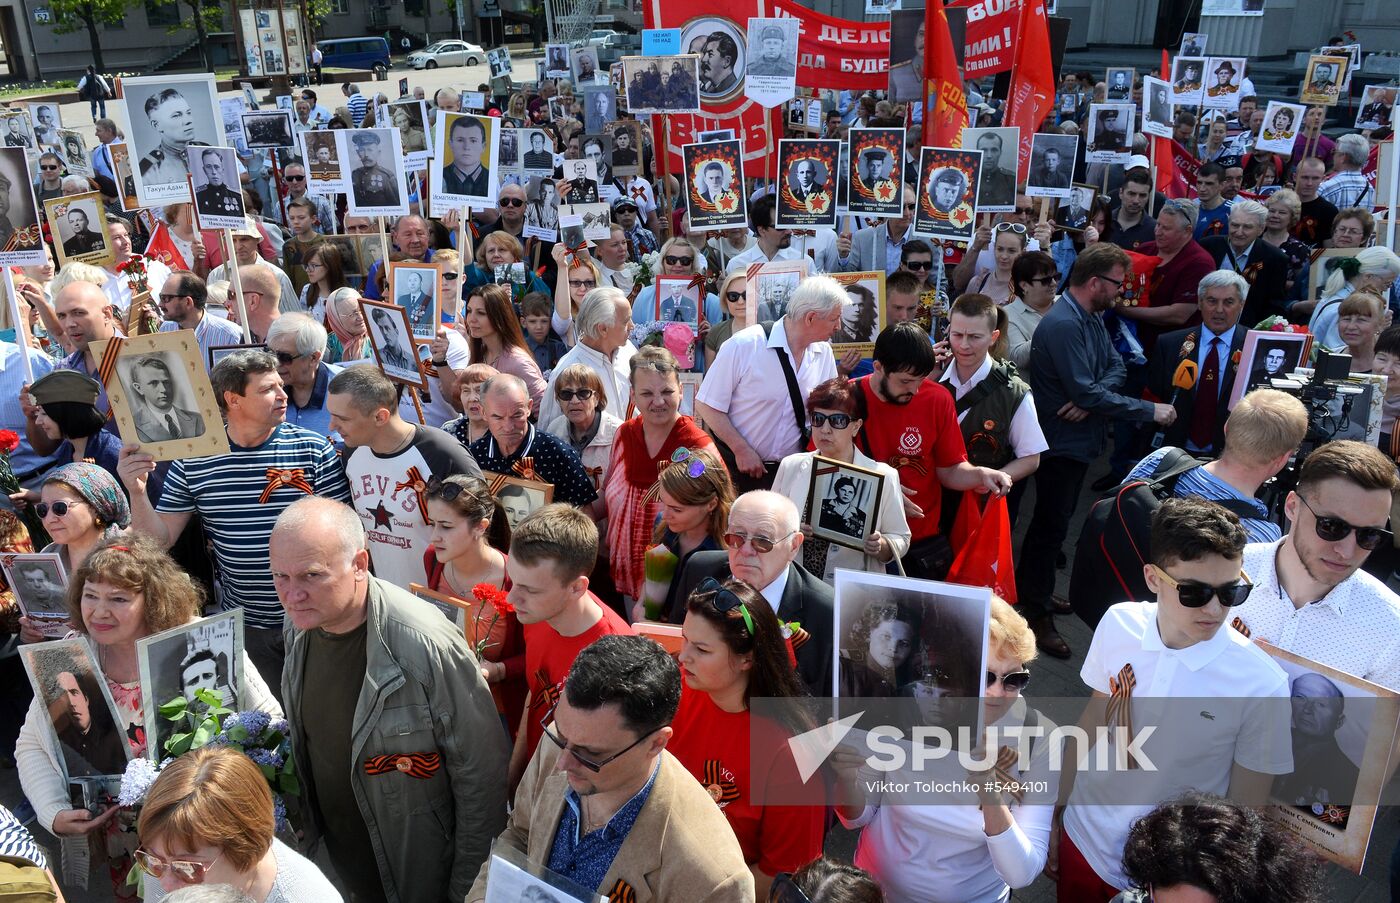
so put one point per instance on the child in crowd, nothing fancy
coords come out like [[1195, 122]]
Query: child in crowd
[[536, 309]]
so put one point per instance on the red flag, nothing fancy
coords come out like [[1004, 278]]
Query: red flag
[[1169, 181], [163, 248], [945, 109], [1032, 94]]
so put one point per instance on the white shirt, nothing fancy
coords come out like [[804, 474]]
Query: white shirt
[[1355, 628], [746, 382], [118, 288], [822, 246], [755, 254], [1027, 438], [773, 592], [615, 374], [1236, 677], [288, 301]]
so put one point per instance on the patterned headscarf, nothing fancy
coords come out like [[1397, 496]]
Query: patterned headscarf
[[98, 488]]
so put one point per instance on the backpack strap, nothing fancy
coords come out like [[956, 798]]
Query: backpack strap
[[799, 406], [1179, 461]]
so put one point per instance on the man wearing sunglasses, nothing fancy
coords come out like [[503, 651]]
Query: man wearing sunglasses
[[880, 247], [247, 249], [299, 343], [294, 179], [182, 299], [1182, 647]]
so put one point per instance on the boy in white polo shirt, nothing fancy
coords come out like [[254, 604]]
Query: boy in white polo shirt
[[1206, 689]]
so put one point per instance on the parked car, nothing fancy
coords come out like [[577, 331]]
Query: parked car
[[447, 53], [355, 53]]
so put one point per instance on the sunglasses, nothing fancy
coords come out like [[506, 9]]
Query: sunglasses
[[284, 358], [437, 489], [510, 202], [697, 464], [571, 394], [1018, 228], [920, 265], [586, 762], [837, 421], [725, 600], [674, 261], [761, 544], [59, 509], [188, 870], [1026, 211], [582, 283], [1333, 529], [1045, 280], [1014, 680], [49, 168], [451, 277], [731, 297], [295, 178], [782, 890], [1196, 595]]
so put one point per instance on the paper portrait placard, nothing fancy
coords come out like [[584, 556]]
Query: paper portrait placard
[[376, 173], [770, 77], [714, 184], [212, 171], [323, 163], [513, 878], [1267, 356], [39, 583], [72, 692], [807, 172], [1280, 129], [1052, 165], [161, 396], [205, 654], [410, 117], [391, 338], [874, 172], [662, 84], [452, 608], [78, 224], [73, 149], [864, 316], [947, 193], [22, 240], [466, 148], [167, 115]]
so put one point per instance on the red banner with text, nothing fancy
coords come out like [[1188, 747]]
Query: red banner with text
[[840, 54], [990, 37]]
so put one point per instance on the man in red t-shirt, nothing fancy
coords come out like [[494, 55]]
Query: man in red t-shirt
[[552, 552], [912, 425]]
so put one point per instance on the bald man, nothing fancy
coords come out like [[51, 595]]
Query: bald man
[[1322, 775], [260, 293], [84, 313]]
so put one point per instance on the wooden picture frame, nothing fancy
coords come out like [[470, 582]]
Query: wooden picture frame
[[171, 418], [452, 608], [92, 243], [519, 497], [399, 362], [424, 319], [825, 504], [864, 289], [38, 602], [769, 286]]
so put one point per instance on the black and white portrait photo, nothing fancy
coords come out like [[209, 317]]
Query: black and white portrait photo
[[542, 209], [18, 131], [844, 500], [571, 228], [268, 128], [168, 115], [1110, 138], [47, 121], [538, 156], [597, 149], [414, 287], [662, 84], [392, 340], [556, 61], [81, 715], [1267, 356], [160, 398], [40, 586], [770, 287], [677, 301], [206, 654], [462, 168], [514, 880], [599, 106], [807, 168], [771, 75], [706, 136], [1118, 84], [74, 150], [582, 176], [584, 61], [217, 197], [1000, 147], [376, 171], [21, 239], [1188, 75], [498, 59], [1052, 165], [1157, 116], [78, 224], [1073, 210], [520, 498], [627, 146], [718, 42], [863, 315], [410, 117]]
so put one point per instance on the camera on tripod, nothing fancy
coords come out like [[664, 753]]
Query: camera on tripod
[[1328, 397]]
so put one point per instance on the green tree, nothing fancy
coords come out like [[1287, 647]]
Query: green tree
[[70, 16], [206, 16]]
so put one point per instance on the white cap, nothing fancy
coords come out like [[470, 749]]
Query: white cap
[[1138, 161]]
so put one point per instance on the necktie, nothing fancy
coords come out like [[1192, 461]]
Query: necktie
[[170, 425], [1203, 413]]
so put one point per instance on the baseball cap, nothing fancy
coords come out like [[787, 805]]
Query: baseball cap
[[1138, 161]]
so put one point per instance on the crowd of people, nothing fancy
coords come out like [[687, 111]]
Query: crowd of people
[[583, 488]]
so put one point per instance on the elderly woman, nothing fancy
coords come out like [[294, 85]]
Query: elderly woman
[[471, 426], [975, 852], [641, 447], [120, 594], [1352, 227], [500, 249], [1008, 241], [1372, 270], [1360, 319], [1285, 209], [1034, 280], [584, 425], [679, 259], [836, 411], [325, 274], [349, 338], [208, 819], [495, 338], [734, 300]]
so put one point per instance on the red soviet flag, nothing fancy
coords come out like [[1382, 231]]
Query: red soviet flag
[[1032, 94], [945, 108]]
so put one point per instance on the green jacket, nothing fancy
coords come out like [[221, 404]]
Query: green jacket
[[423, 693]]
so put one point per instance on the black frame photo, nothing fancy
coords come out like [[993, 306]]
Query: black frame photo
[[843, 502]]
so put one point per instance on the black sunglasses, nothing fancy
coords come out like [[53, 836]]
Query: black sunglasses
[[674, 261], [295, 178], [1334, 529], [919, 264], [586, 762], [284, 358], [1015, 680], [725, 601], [837, 421], [59, 509], [782, 890], [436, 488], [1196, 595], [571, 394], [731, 297], [511, 202]]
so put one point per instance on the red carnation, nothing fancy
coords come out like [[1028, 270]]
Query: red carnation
[[9, 441], [494, 596]]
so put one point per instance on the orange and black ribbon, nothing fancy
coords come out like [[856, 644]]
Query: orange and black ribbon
[[1120, 704], [1241, 626], [277, 478], [622, 892], [571, 254], [722, 790], [914, 464], [109, 359], [419, 486], [525, 467], [639, 192], [551, 691], [1006, 761], [596, 475], [415, 765]]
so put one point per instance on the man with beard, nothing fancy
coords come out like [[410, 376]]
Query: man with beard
[[907, 78], [997, 187], [717, 62], [172, 118], [772, 62]]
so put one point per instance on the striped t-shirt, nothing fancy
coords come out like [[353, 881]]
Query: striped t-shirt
[[225, 490], [1204, 484]]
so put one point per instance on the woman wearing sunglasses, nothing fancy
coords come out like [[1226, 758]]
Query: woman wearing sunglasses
[[495, 338], [123, 592], [1007, 241], [825, 881], [960, 853], [208, 819], [734, 650], [642, 447], [734, 300], [578, 275], [836, 411], [1034, 283], [679, 257], [584, 424], [325, 272]]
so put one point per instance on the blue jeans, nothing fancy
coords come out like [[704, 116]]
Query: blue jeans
[[98, 103]]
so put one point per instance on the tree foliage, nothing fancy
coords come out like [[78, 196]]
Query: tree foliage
[[74, 15]]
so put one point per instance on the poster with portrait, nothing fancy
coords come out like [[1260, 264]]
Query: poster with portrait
[[626, 137], [1322, 83], [205, 654], [662, 84], [78, 225], [498, 60], [538, 156], [515, 879], [465, 150], [18, 131], [391, 338], [947, 193], [1280, 129], [1193, 43], [873, 179], [1073, 209], [410, 117], [269, 129], [770, 78], [39, 583], [21, 237], [717, 42], [677, 300], [1110, 138], [323, 163], [518, 497], [73, 149], [1187, 80], [843, 501], [213, 170], [807, 177], [1377, 108], [714, 182], [1157, 117], [542, 209], [161, 397], [126, 182], [1268, 356], [898, 636], [594, 219], [770, 288], [1224, 75], [1000, 148], [581, 176], [510, 160], [167, 114], [82, 719], [599, 107], [452, 608], [414, 286], [584, 64], [571, 229], [1343, 729], [1118, 83], [46, 121], [376, 177], [556, 61], [907, 56], [863, 316]]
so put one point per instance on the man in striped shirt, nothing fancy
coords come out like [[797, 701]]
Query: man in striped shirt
[[355, 102], [239, 495], [1261, 434]]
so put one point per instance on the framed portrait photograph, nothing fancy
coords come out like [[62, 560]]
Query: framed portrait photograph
[[1110, 138], [863, 316], [1000, 147], [40, 586], [205, 654], [770, 76], [323, 163], [1224, 75], [219, 352], [467, 148], [47, 121], [1322, 83], [1187, 75], [126, 182], [663, 84], [519, 497], [161, 397], [843, 502], [599, 106], [947, 193], [1377, 108], [1052, 165], [1280, 129], [807, 172], [770, 287], [1342, 730], [556, 61], [677, 300], [584, 64], [720, 45], [452, 608], [1157, 118], [714, 183], [18, 131], [73, 149], [626, 137], [376, 177], [21, 237], [212, 171], [1118, 83], [268, 128], [410, 117], [78, 224], [514, 879], [169, 114], [538, 156], [1267, 356], [391, 337], [414, 287], [82, 719]]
